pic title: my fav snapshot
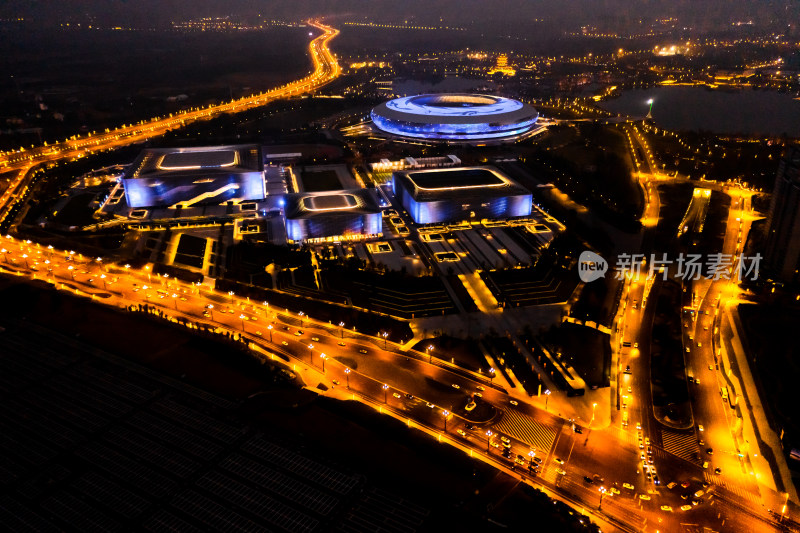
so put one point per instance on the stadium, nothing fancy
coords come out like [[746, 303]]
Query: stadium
[[455, 118], [456, 194]]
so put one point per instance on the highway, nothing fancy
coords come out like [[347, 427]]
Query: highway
[[326, 69], [404, 385]]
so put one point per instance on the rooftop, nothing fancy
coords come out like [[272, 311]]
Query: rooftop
[[196, 161], [340, 203], [461, 182]]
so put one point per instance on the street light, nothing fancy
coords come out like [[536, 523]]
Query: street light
[[445, 413], [175, 299], [230, 293], [602, 493], [242, 317], [301, 314], [491, 374], [594, 406], [384, 335], [347, 376], [270, 332], [488, 439], [102, 277], [546, 398], [210, 308], [323, 357], [341, 330], [385, 388], [650, 111], [429, 349]]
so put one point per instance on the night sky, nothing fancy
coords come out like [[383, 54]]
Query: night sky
[[613, 12]]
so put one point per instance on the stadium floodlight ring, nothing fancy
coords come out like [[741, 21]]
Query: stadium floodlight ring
[[455, 117]]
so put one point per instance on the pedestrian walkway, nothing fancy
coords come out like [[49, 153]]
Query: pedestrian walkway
[[684, 445], [524, 428], [750, 498]]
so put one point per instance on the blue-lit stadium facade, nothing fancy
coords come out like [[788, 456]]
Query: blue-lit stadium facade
[[450, 195], [455, 118], [330, 217], [194, 176]]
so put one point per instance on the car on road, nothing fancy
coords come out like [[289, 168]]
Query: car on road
[[342, 343], [642, 456], [671, 485], [409, 396], [480, 388], [656, 480], [686, 507], [630, 390], [513, 402], [578, 429], [429, 405], [298, 332], [537, 460], [505, 440], [469, 426], [558, 460], [711, 367], [462, 433], [520, 460], [701, 442], [718, 470], [627, 369], [285, 343], [699, 493], [710, 451], [477, 395], [627, 486], [701, 428], [258, 333], [396, 395], [315, 339], [647, 442], [587, 479], [666, 508], [560, 472], [456, 386], [614, 490], [470, 406], [335, 381], [362, 350], [644, 497]]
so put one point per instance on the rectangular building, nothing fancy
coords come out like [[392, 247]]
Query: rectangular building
[[185, 177], [332, 216], [463, 193]]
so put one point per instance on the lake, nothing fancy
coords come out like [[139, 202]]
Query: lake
[[745, 111]]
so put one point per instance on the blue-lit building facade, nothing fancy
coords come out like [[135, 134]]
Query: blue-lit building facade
[[450, 195], [456, 118], [348, 215], [185, 177]]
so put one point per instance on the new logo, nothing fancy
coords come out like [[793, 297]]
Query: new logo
[[591, 266]]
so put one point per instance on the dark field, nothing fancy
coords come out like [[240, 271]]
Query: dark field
[[72, 80]]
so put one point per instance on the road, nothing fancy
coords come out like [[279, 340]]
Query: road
[[326, 69]]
